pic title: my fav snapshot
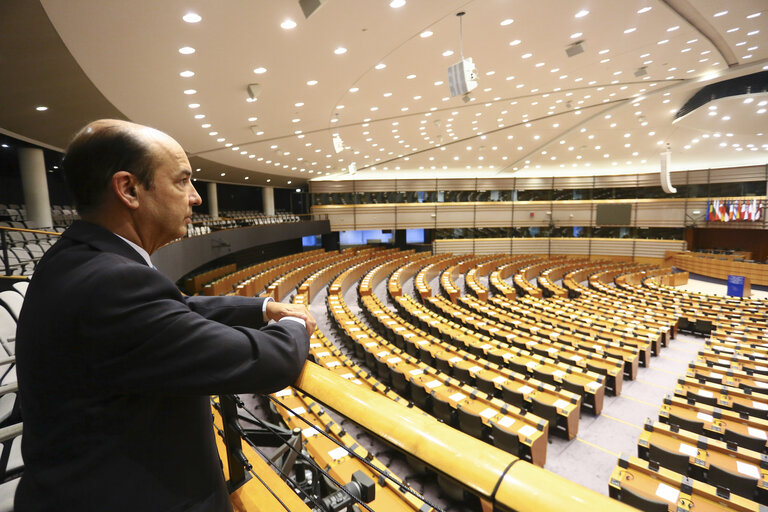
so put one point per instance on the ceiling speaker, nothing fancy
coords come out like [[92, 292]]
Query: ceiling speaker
[[575, 49], [254, 90], [309, 6]]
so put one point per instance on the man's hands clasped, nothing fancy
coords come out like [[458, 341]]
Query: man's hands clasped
[[278, 310]]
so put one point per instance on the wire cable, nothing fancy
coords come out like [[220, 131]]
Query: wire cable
[[310, 460], [400, 484]]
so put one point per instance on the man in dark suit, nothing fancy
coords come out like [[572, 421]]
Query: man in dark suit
[[115, 366]]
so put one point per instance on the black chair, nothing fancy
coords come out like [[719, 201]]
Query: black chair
[[574, 387], [518, 367], [694, 426], [644, 503], [442, 410], [757, 413], [703, 327], [750, 443], [683, 325], [545, 411], [505, 440], [442, 364], [735, 482], [399, 383], [677, 462], [470, 423], [383, 372], [462, 374], [425, 356], [513, 397], [486, 386], [544, 376], [412, 349], [709, 400], [597, 369], [420, 397]]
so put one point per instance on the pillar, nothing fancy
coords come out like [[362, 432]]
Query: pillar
[[213, 201], [268, 199], [35, 185]]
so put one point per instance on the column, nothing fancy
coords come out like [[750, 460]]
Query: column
[[268, 198], [213, 201], [35, 185]]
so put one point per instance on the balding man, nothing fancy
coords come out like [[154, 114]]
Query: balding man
[[115, 366]]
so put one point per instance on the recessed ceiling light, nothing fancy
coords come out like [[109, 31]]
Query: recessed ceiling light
[[252, 119], [187, 74], [205, 125], [387, 94], [576, 35], [192, 17], [672, 29], [199, 116], [213, 133], [295, 120], [396, 4], [447, 53], [644, 10], [630, 30], [753, 15], [506, 22], [186, 50], [515, 42], [581, 13], [721, 13], [223, 174], [380, 65], [527, 55], [190, 91], [41, 108], [220, 139], [340, 50], [194, 105], [288, 24], [411, 76], [663, 41], [754, 32], [312, 82], [260, 70], [425, 34], [354, 89]]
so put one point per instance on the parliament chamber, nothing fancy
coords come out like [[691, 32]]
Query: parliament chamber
[[533, 236]]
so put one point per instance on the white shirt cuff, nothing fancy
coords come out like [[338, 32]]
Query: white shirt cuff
[[267, 300], [295, 319]]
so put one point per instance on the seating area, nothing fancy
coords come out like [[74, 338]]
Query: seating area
[[516, 351], [203, 223]]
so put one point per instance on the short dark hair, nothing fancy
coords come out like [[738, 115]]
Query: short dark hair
[[96, 153]]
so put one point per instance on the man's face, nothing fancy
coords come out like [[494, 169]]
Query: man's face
[[165, 208]]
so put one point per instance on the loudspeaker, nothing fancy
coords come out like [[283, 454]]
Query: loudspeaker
[[462, 77], [666, 183], [254, 90], [574, 49], [309, 6]]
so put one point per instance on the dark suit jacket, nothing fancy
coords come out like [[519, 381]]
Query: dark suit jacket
[[115, 367]]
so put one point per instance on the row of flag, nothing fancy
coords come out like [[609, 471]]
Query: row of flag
[[732, 210]]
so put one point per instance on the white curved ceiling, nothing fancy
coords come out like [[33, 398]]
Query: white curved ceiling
[[535, 110]]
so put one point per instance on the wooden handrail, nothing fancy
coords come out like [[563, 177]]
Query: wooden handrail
[[500, 479], [26, 230]]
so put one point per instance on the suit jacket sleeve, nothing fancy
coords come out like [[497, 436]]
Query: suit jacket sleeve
[[242, 311], [141, 335]]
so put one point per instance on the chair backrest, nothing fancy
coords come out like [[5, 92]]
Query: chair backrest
[[21, 287], [686, 424], [645, 503], [7, 332], [737, 483], [757, 413], [507, 441], [399, 383], [750, 443], [470, 423], [485, 385], [677, 462], [420, 396], [12, 300], [545, 411], [441, 409], [513, 397], [462, 374]]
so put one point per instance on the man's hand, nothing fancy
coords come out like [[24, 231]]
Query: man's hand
[[277, 310]]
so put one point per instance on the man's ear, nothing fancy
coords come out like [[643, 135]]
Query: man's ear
[[125, 187]]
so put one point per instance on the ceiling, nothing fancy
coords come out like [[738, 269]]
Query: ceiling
[[535, 111]]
